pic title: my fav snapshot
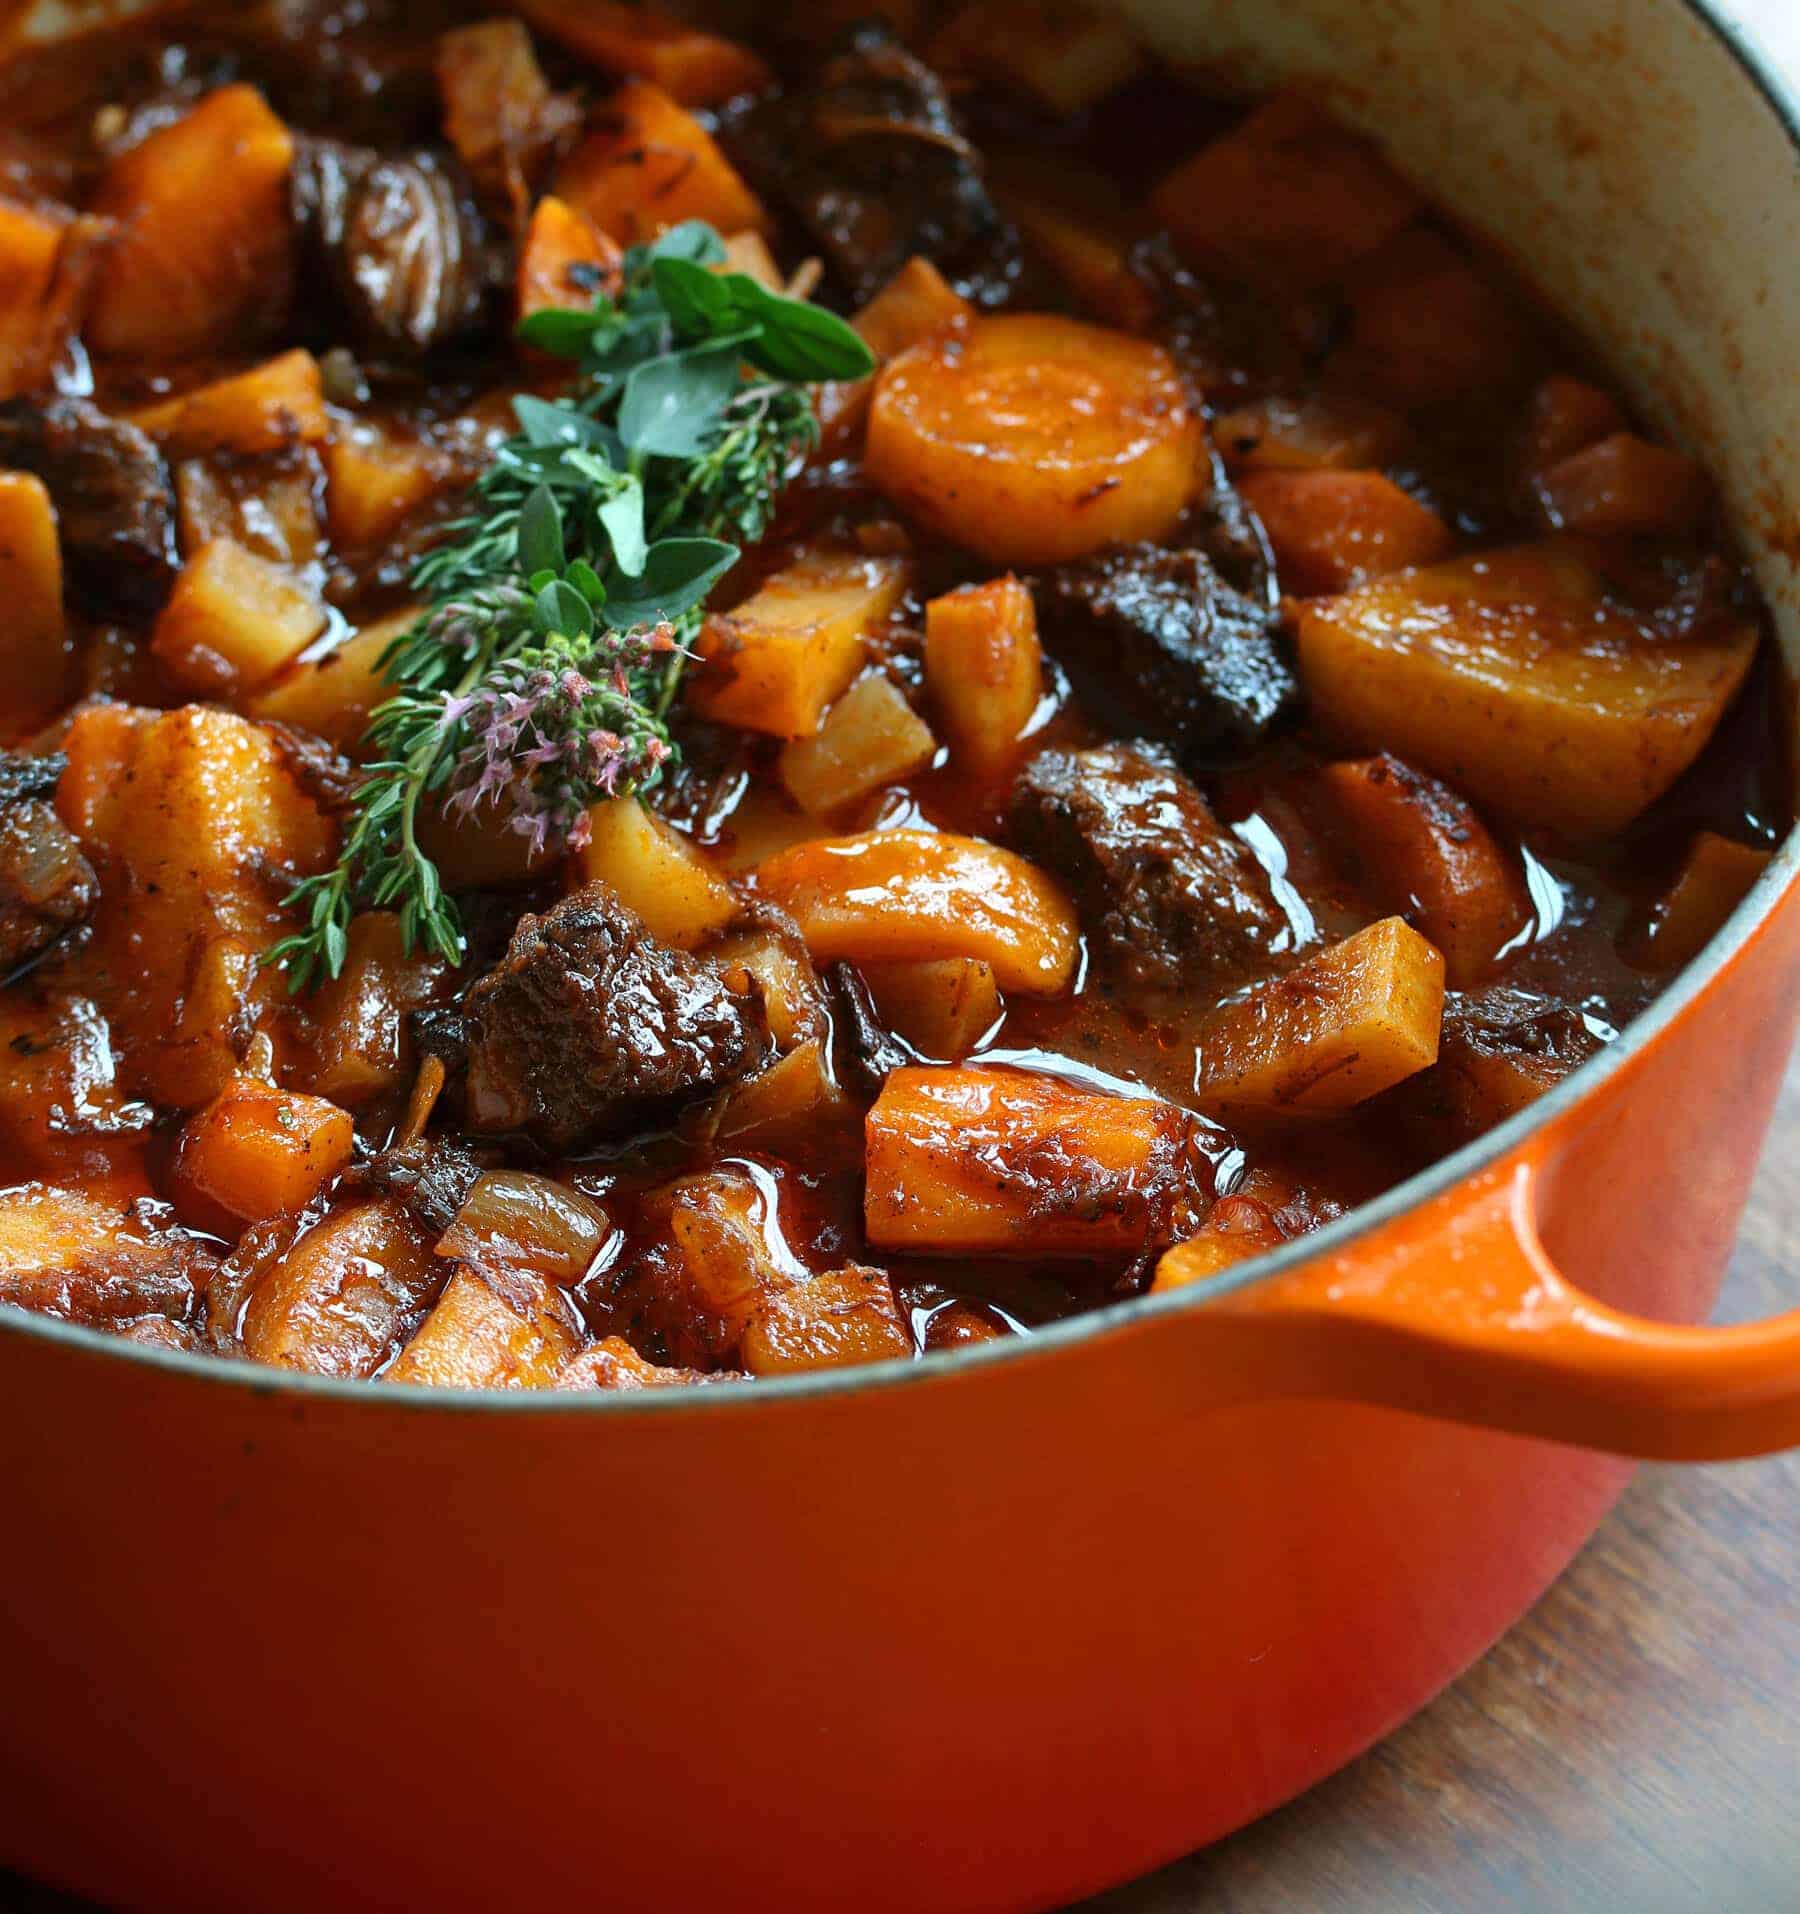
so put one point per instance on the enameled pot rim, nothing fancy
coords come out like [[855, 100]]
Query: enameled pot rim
[[1780, 92]]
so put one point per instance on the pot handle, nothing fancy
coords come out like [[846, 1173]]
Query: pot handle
[[1458, 1313]]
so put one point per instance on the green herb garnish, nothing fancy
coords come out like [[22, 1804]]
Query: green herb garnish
[[566, 599]]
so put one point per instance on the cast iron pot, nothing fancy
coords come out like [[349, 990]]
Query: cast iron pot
[[998, 1629]]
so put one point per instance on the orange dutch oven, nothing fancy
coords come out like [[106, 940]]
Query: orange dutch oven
[[994, 1630]]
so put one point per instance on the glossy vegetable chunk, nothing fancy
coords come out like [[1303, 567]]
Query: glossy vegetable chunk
[[1517, 677], [266, 409], [870, 738], [362, 1050], [984, 669], [1035, 439], [564, 261], [78, 1257], [491, 1332], [831, 1322], [776, 663], [898, 895], [1715, 877], [335, 692], [1625, 486], [917, 303], [1236, 1230], [965, 1162], [258, 1151], [35, 655], [694, 67], [233, 621], [1350, 1022], [942, 1009], [666, 879], [205, 242], [1332, 530]]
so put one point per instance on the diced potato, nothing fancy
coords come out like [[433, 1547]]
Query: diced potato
[[77, 1257], [1715, 877], [1515, 677], [566, 259], [648, 165], [1236, 1229], [832, 1322], [1066, 56], [776, 662], [499, 112], [1073, 223], [205, 239], [1332, 530], [1426, 853], [348, 1293], [510, 1332], [984, 669], [789, 1105], [718, 1264], [376, 478], [35, 245], [335, 693], [915, 305], [792, 997], [892, 896], [267, 409], [512, 1221], [269, 505], [258, 1151], [1326, 432], [612, 1363], [763, 822], [692, 67], [36, 658], [361, 1050], [968, 1162], [942, 1009], [1624, 486], [1033, 439], [233, 621], [1565, 416], [1288, 199], [1426, 325], [64, 1115], [1334, 1031], [871, 737], [655, 871], [198, 829]]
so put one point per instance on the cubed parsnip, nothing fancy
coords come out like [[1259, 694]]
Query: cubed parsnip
[[1518, 678], [716, 1264], [565, 260], [1715, 877], [1072, 222], [205, 241], [969, 1162], [349, 1291], [1424, 852], [1564, 416], [691, 66], [916, 304], [1426, 325], [1334, 1031], [335, 693], [74, 1255], [869, 738], [793, 998], [198, 829], [507, 1330], [612, 1363], [376, 477], [1321, 433], [647, 165], [795, 1104], [942, 1008], [1623, 486], [657, 872], [1066, 56], [233, 621], [360, 1049], [257, 1151], [499, 112], [984, 669], [1236, 1229], [1033, 439], [1289, 198], [898, 896], [37, 662], [776, 662], [832, 1322], [1332, 530], [272, 406]]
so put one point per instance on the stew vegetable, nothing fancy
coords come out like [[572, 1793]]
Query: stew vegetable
[[682, 704]]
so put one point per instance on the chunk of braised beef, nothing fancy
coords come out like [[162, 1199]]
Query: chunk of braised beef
[[1499, 1050], [399, 239], [589, 1027], [1231, 536], [1168, 895], [1158, 644], [47, 886], [864, 1051], [114, 504], [1228, 340], [431, 1176], [871, 162]]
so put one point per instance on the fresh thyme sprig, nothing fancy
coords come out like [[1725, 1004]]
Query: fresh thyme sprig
[[565, 600]]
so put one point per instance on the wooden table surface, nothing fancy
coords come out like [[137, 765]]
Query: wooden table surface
[[1633, 1747]]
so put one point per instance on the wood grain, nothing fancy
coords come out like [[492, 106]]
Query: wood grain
[[1633, 1747]]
